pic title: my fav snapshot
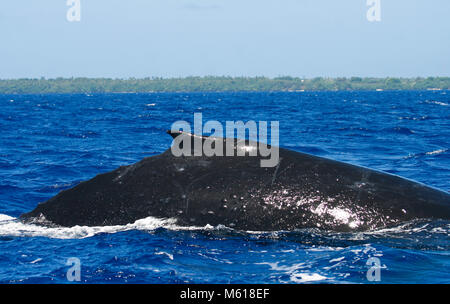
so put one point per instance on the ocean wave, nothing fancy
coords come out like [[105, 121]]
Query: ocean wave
[[10, 226], [307, 277], [440, 103], [429, 153], [424, 233], [440, 151], [399, 130]]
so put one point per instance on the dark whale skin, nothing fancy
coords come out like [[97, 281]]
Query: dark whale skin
[[303, 191]]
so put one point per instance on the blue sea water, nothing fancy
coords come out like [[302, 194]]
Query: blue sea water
[[49, 143]]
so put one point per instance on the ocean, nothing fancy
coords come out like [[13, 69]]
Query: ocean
[[49, 143]]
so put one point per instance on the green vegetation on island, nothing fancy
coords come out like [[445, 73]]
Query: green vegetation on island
[[217, 84]]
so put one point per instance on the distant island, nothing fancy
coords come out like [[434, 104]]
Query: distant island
[[217, 84]]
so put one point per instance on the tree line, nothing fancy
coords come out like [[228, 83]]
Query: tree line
[[216, 84]]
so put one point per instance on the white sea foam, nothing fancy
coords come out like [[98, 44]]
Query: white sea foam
[[10, 226], [295, 271], [409, 227], [336, 260], [437, 102], [306, 277], [436, 152], [165, 253], [36, 261], [4, 218]]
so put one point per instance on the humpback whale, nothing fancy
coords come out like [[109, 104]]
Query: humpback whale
[[301, 191]]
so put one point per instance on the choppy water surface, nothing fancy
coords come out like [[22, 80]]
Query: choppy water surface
[[52, 142]]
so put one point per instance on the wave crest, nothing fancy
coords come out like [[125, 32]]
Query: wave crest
[[10, 226]]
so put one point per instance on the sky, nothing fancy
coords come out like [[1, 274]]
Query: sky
[[178, 38]]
